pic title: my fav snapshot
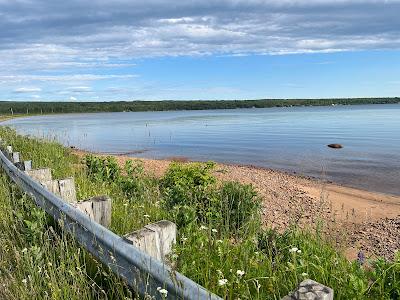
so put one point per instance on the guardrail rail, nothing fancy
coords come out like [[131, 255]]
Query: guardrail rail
[[145, 274]]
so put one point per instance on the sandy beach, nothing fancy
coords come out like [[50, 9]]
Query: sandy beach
[[356, 219]]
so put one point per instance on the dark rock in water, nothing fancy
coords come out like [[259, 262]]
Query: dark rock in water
[[335, 146]]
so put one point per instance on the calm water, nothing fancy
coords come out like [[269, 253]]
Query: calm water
[[291, 139]]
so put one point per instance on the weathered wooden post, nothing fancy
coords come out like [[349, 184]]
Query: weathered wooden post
[[310, 290], [155, 239], [67, 189], [51, 186], [40, 175], [24, 166], [27, 165], [9, 151], [97, 209], [166, 231], [15, 157], [146, 240]]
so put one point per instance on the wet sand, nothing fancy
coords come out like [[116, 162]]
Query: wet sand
[[356, 219]]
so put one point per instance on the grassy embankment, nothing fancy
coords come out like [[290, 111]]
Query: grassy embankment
[[221, 244]]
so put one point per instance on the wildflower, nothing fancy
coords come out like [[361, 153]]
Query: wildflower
[[214, 230], [146, 216], [24, 281], [361, 258], [222, 282], [184, 239], [304, 274], [299, 251], [294, 249], [24, 250], [202, 227], [240, 273], [162, 291]]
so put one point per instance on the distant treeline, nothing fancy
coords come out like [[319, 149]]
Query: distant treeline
[[81, 107]]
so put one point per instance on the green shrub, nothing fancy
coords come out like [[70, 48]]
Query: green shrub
[[191, 185], [134, 184], [239, 205], [102, 169]]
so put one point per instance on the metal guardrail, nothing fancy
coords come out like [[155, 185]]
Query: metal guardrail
[[142, 272]]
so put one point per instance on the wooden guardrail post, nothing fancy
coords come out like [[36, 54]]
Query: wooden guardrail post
[[65, 188], [15, 157], [27, 165], [310, 290], [166, 231], [24, 166], [97, 209], [8, 152], [39, 175], [155, 239]]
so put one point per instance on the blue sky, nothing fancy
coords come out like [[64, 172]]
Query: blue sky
[[229, 49]]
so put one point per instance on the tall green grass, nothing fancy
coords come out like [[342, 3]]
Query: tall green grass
[[221, 243]]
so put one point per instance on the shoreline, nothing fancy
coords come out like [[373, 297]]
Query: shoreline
[[359, 219]]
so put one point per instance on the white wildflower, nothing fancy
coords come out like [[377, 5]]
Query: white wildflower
[[146, 216], [214, 230], [240, 273], [162, 291], [294, 249], [304, 274], [299, 251], [24, 250], [24, 281], [222, 282], [202, 227]]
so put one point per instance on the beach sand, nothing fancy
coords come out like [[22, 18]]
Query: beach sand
[[355, 219]]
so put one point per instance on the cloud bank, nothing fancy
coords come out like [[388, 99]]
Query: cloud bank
[[76, 36]]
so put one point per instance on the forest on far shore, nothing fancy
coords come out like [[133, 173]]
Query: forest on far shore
[[17, 107]]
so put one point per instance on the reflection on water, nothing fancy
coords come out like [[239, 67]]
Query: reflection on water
[[292, 139]]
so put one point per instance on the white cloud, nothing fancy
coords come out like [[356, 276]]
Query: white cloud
[[80, 89], [6, 79], [27, 90], [72, 98], [66, 43]]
